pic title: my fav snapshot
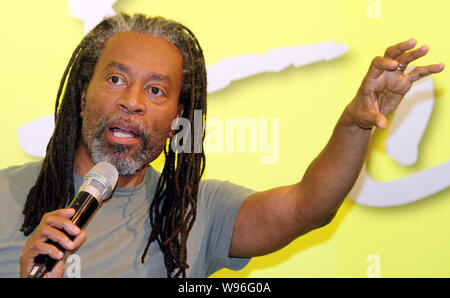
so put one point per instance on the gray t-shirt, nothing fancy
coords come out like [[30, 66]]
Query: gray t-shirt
[[118, 233]]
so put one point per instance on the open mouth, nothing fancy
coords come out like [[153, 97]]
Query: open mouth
[[122, 133]]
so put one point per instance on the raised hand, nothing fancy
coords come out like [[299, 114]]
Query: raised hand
[[386, 83]]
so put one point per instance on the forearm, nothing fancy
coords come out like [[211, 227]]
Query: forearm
[[331, 175], [269, 220]]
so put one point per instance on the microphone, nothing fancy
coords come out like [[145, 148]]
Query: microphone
[[97, 186]]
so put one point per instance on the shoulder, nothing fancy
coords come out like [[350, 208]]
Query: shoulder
[[29, 167], [20, 175], [16, 181], [217, 193], [213, 186]]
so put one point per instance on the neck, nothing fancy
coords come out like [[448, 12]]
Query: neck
[[83, 164], [136, 179]]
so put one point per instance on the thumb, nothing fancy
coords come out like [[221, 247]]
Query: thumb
[[375, 118], [381, 121]]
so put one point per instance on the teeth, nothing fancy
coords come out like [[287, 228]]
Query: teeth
[[120, 134]]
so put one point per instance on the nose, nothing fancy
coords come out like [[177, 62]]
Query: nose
[[132, 101]]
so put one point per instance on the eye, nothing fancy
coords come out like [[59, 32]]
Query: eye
[[115, 80], [156, 91]]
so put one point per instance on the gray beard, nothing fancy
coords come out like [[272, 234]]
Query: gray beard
[[119, 155], [125, 165]]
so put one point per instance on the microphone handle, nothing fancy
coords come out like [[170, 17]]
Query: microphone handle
[[85, 205]]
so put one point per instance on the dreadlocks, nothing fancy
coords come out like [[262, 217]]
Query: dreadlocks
[[173, 209]]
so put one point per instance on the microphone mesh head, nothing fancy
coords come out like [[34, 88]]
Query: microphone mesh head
[[104, 173]]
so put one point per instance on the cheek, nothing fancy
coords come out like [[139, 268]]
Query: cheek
[[91, 113], [162, 119], [96, 98], [162, 126]]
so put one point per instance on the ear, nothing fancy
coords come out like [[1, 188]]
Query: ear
[[83, 99]]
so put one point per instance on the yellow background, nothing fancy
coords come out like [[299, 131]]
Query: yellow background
[[38, 37]]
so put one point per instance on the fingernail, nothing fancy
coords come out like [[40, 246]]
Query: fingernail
[[60, 255]]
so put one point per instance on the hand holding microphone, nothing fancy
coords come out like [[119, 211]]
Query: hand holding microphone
[[60, 231], [50, 228]]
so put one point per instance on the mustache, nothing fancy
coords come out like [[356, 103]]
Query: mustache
[[133, 124]]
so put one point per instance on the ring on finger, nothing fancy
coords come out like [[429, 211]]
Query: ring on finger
[[401, 67]]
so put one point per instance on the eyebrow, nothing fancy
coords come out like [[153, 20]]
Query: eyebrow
[[117, 65], [150, 76]]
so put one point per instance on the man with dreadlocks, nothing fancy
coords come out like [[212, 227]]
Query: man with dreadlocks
[[127, 80]]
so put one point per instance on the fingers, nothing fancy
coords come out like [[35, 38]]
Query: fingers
[[79, 240], [60, 219], [383, 87], [410, 56], [396, 50], [55, 233], [379, 65], [43, 248], [423, 71], [52, 226]]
